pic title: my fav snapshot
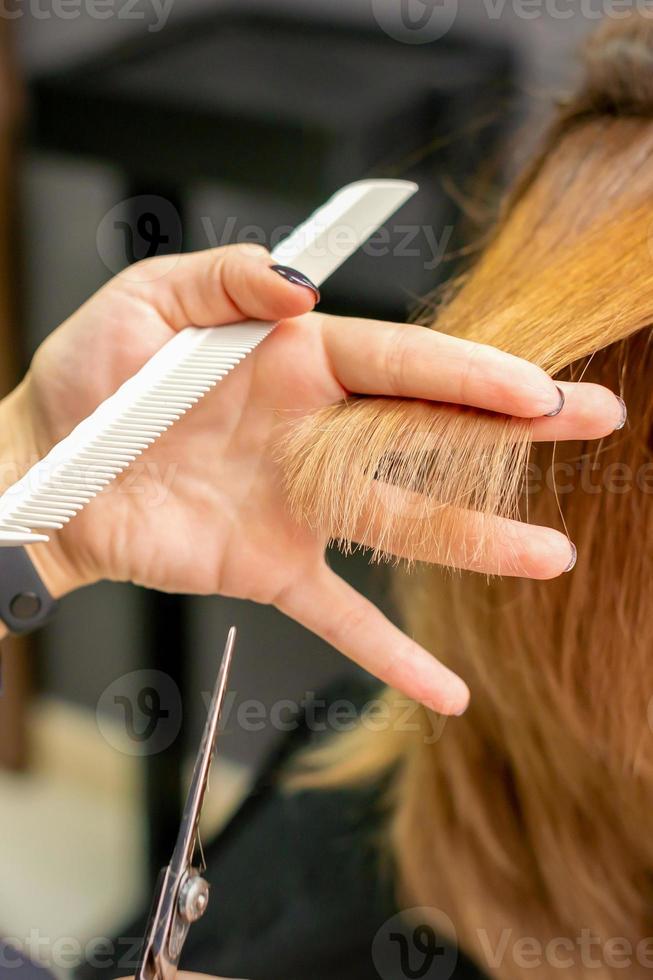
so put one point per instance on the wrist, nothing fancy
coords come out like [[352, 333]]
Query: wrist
[[19, 451]]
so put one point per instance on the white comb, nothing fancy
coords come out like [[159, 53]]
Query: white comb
[[181, 373]]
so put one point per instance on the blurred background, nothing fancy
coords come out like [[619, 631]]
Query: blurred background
[[217, 122]]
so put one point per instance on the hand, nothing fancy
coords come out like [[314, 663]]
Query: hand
[[207, 513]]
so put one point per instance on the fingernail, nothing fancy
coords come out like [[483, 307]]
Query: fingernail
[[574, 558], [556, 411], [296, 278], [624, 414]]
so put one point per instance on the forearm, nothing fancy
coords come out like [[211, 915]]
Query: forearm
[[17, 443]]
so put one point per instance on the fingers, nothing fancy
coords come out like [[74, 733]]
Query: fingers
[[374, 358], [328, 606], [590, 412], [463, 539], [219, 286]]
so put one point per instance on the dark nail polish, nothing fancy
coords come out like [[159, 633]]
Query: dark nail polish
[[556, 411], [574, 558], [296, 278], [624, 414]]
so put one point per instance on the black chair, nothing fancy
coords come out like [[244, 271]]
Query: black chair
[[290, 110]]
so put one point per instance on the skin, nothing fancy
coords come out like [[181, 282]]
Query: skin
[[208, 515]]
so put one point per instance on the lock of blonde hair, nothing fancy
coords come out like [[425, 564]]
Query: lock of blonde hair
[[528, 819]]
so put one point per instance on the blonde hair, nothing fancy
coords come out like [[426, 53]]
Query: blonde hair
[[531, 813]]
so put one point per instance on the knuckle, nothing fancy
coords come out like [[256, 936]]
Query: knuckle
[[221, 259], [236, 272], [338, 630], [226, 274], [397, 360], [350, 620], [399, 660], [470, 369]]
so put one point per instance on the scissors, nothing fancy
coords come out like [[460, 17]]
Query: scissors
[[182, 894]]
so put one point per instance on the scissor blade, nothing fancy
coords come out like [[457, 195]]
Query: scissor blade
[[185, 846]]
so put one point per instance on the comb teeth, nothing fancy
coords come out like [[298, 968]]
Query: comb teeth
[[122, 428]]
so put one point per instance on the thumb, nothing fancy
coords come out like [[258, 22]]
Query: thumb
[[219, 286], [328, 606]]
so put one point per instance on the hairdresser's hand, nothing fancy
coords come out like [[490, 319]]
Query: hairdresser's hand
[[204, 510]]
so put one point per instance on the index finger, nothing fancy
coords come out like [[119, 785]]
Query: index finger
[[332, 609]]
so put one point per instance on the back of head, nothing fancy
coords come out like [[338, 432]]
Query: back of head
[[531, 811]]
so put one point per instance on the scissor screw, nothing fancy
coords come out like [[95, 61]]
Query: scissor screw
[[193, 898]]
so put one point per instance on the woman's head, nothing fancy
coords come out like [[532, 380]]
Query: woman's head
[[542, 792], [568, 273]]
